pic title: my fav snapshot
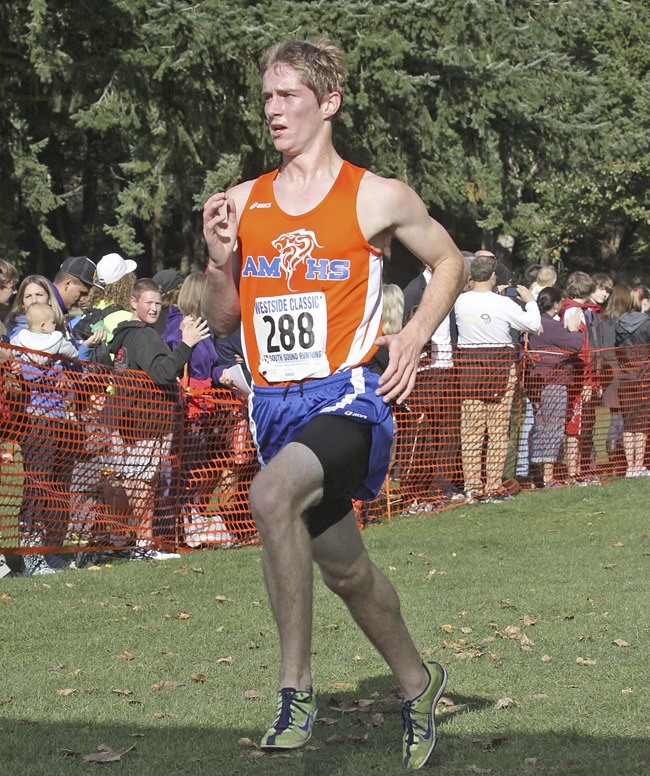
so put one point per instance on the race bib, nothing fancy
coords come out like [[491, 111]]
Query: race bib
[[291, 334]]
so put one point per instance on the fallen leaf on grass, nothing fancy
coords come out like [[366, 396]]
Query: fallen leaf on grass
[[327, 721], [105, 754], [447, 628], [253, 695], [627, 691], [505, 703], [354, 739], [468, 654], [182, 616], [475, 769], [585, 661], [67, 753], [528, 621], [158, 686], [6, 597], [529, 765], [221, 599], [546, 658], [119, 691], [6, 699], [343, 686], [227, 661], [201, 678], [65, 693], [246, 743], [126, 656], [620, 643]]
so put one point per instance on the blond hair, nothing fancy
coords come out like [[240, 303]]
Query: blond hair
[[18, 307], [393, 310], [547, 276], [318, 61], [38, 314], [191, 294]]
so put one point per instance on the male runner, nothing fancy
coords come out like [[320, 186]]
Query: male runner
[[296, 256]]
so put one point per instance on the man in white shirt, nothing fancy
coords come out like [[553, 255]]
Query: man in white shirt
[[488, 374]]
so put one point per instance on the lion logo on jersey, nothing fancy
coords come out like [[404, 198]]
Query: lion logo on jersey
[[294, 248]]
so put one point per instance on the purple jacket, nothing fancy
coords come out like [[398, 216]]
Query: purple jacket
[[203, 363], [552, 353]]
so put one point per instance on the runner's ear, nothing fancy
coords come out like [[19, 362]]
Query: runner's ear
[[331, 104]]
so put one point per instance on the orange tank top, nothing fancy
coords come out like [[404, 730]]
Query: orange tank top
[[310, 286]]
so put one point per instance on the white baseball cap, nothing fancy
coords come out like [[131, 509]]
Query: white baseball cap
[[113, 267]]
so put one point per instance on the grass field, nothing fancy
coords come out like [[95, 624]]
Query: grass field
[[538, 607]]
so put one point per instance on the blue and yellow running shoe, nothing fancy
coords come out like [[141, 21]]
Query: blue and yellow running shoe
[[419, 723], [293, 725]]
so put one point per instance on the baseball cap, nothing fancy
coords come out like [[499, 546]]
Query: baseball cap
[[82, 268], [113, 267], [168, 279]]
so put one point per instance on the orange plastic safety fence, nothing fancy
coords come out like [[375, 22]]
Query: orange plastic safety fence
[[502, 419], [96, 458]]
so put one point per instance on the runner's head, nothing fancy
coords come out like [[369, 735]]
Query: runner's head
[[317, 60]]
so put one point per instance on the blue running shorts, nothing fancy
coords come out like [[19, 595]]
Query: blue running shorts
[[279, 415]]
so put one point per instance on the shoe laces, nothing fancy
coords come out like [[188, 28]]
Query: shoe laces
[[286, 701], [409, 718]]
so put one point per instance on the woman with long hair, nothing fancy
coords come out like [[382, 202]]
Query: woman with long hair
[[206, 453], [34, 289]]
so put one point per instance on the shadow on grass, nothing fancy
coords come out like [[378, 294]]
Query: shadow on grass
[[359, 732]]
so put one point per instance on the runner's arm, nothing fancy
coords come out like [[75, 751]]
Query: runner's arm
[[411, 224], [221, 295]]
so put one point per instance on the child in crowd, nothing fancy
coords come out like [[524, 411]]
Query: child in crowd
[[137, 345], [545, 278], [46, 466], [41, 334]]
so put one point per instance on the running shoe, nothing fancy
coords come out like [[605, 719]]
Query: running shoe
[[419, 721], [293, 725]]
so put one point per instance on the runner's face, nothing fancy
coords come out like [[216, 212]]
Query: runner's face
[[147, 306], [34, 294], [292, 111]]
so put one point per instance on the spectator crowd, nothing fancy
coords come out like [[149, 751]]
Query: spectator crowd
[[532, 365]]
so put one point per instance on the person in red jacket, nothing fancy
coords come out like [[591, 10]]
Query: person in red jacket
[[551, 358], [577, 306]]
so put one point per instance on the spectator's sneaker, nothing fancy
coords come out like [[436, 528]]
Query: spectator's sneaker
[[584, 481], [36, 566], [419, 723], [146, 551], [293, 725], [498, 498], [159, 555]]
